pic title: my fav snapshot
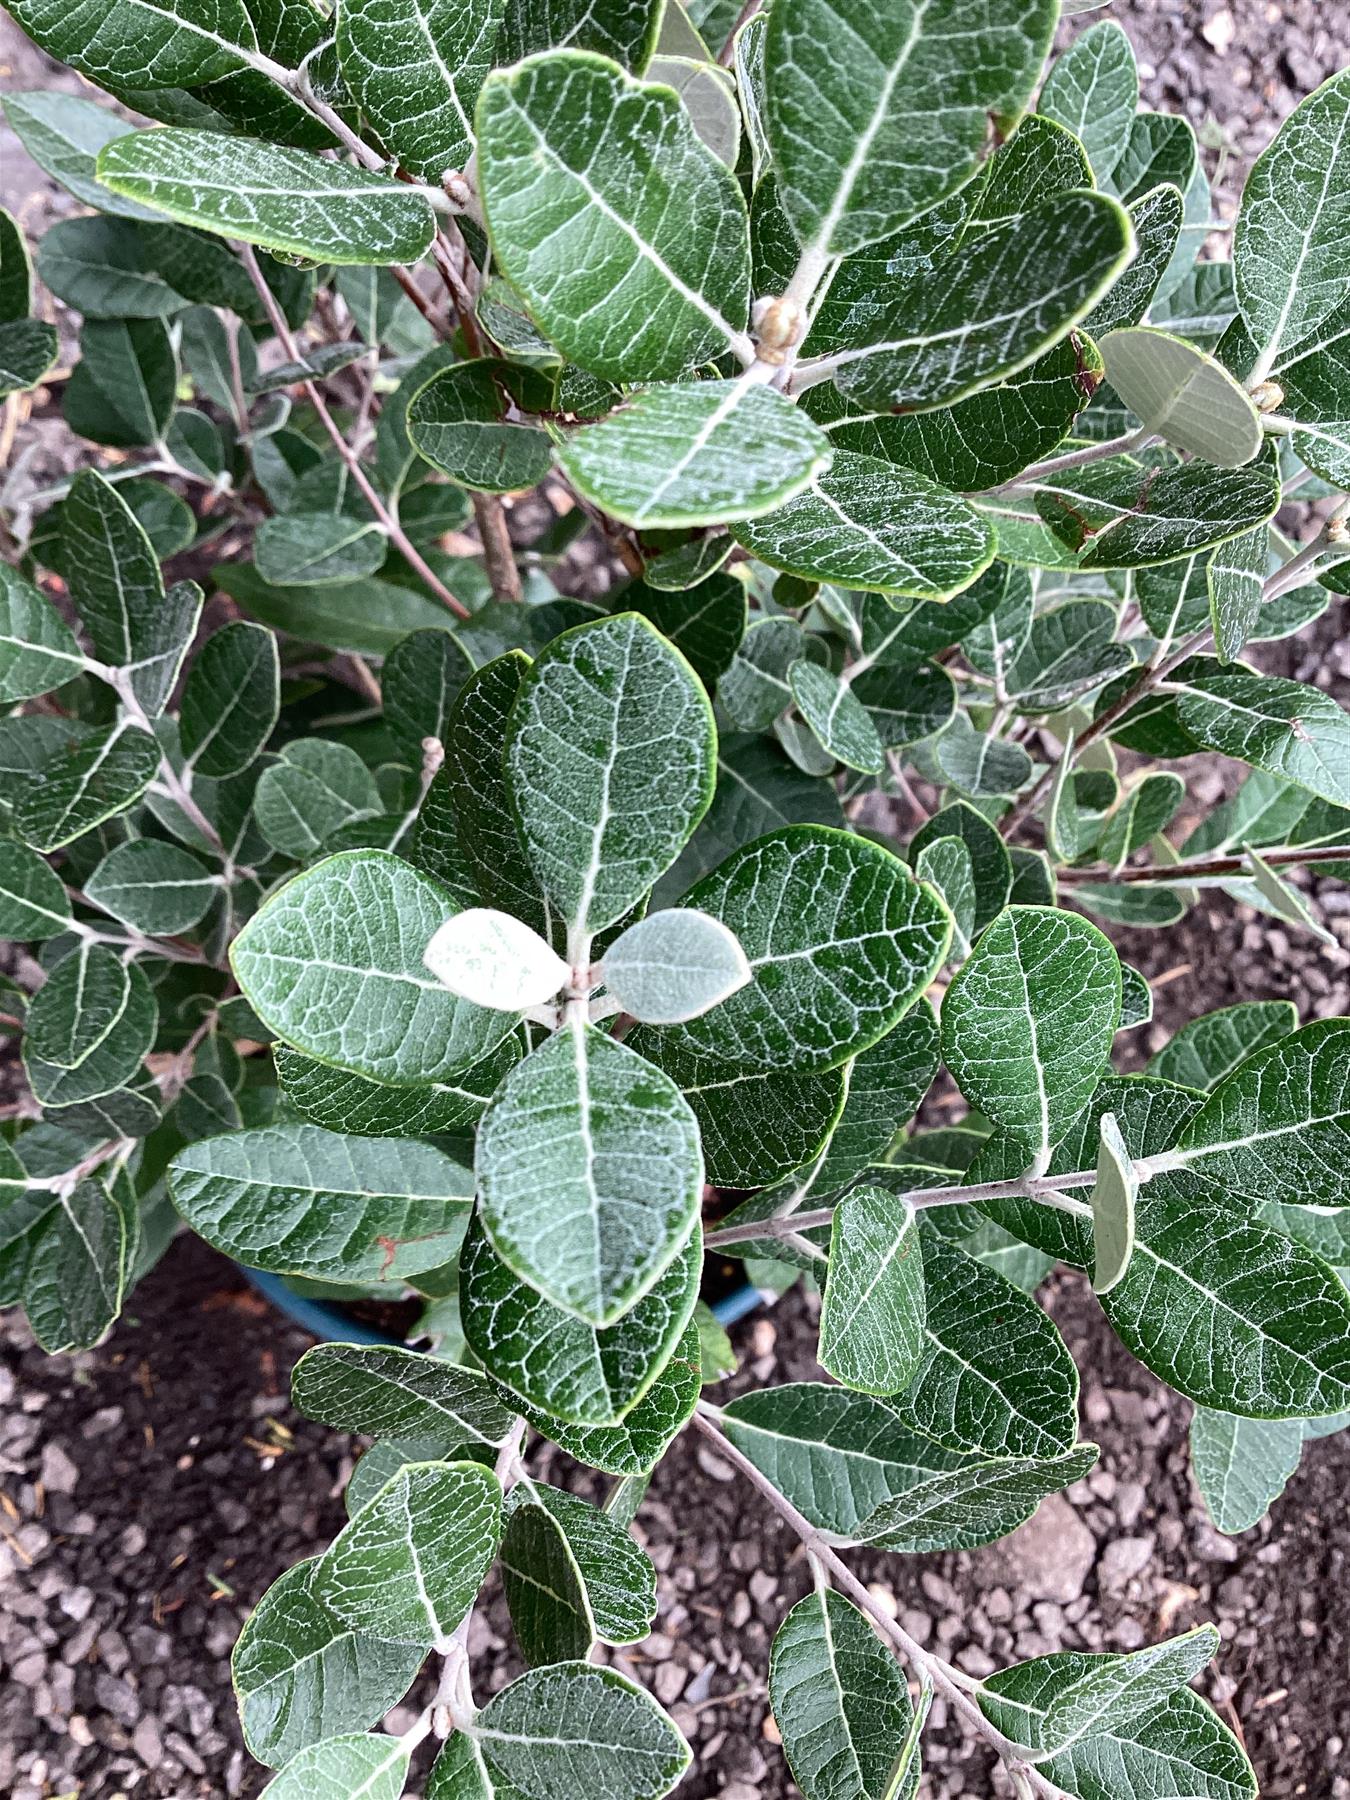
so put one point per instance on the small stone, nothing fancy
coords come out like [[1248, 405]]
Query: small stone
[[77, 1603], [57, 1473], [1050, 1557], [1123, 1559]]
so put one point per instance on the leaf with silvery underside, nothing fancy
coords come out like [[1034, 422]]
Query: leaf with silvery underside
[[1069, 652], [385, 1391], [1114, 1196], [610, 761], [37, 651], [636, 1444], [850, 100], [64, 134], [415, 67], [1286, 728], [1290, 256], [493, 959], [459, 422], [981, 441], [298, 1200], [181, 43], [1182, 395], [995, 1379], [1279, 1123], [673, 965], [409, 1566], [87, 780], [1092, 90], [626, 284], [1028, 1022], [836, 716], [589, 1173], [545, 1594], [626, 30], [332, 963], [351, 1766], [231, 699], [580, 1373], [1126, 514], [1180, 1746], [1142, 908], [301, 1675], [868, 524], [83, 999], [872, 1320], [839, 1700], [886, 1082], [33, 900], [619, 1579], [76, 1268], [574, 1728], [284, 200], [1208, 1049], [1241, 1466], [1053, 1702], [979, 763], [754, 690], [947, 333], [840, 940], [706, 626], [1156, 220], [694, 453]]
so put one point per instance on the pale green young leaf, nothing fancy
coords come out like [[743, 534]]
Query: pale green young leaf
[[302, 1675], [872, 1320], [573, 1728], [493, 959], [33, 900], [610, 759], [695, 453], [839, 1701], [85, 781], [1179, 1748], [580, 1373], [1092, 90], [709, 96], [836, 716], [1114, 1195], [840, 938], [1027, 1024], [673, 965], [37, 651], [282, 199], [1182, 395], [1209, 1048], [385, 1391], [545, 1593], [415, 67], [869, 524], [1281, 899], [231, 699], [409, 1566], [589, 1173], [1241, 1466], [299, 1200], [1284, 727], [627, 283], [76, 1269], [349, 1767], [874, 117], [332, 963]]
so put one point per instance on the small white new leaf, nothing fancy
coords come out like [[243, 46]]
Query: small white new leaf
[[674, 966], [1113, 1198], [495, 960]]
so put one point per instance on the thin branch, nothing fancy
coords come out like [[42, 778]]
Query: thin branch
[[1170, 874], [727, 54], [950, 1681], [499, 554], [1076, 459], [397, 536], [1042, 1188]]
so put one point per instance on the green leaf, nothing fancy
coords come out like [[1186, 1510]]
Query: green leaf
[[180, 44], [84, 782], [619, 1579], [872, 1321], [1114, 1196], [1241, 1466], [1207, 1049], [841, 940], [871, 525], [384, 1391], [459, 1773], [636, 1444], [949, 331], [978, 763], [33, 901], [545, 1594], [422, 677], [350, 1767], [589, 1173], [839, 1700], [122, 390], [977, 1503], [409, 1565], [301, 1675], [1092, 90], [319, 549], [874, 119], [467, 421], [626, 30], [37, 652], [343, 1101], [315, 788], [1283, 727], [706, 626], [231, 699], [1053, 1702], [1156, 219], [1028, 1022], [627, 282], [368, 617], [76, 1270], [754, 691], [299, 1200], [333, 964], [111, 1063], [836, 716], [98, 266], [610, 759], [1158, 147], [28, 348], [886, 1082], [695, 453], [988, 855], [1182, 395], [1290, 258], [672, 966], [112, 571], [83, 999], [580, 1373], [285, 200], [64, 134], [1180, 1747], [574, 1728], [414, 67]]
